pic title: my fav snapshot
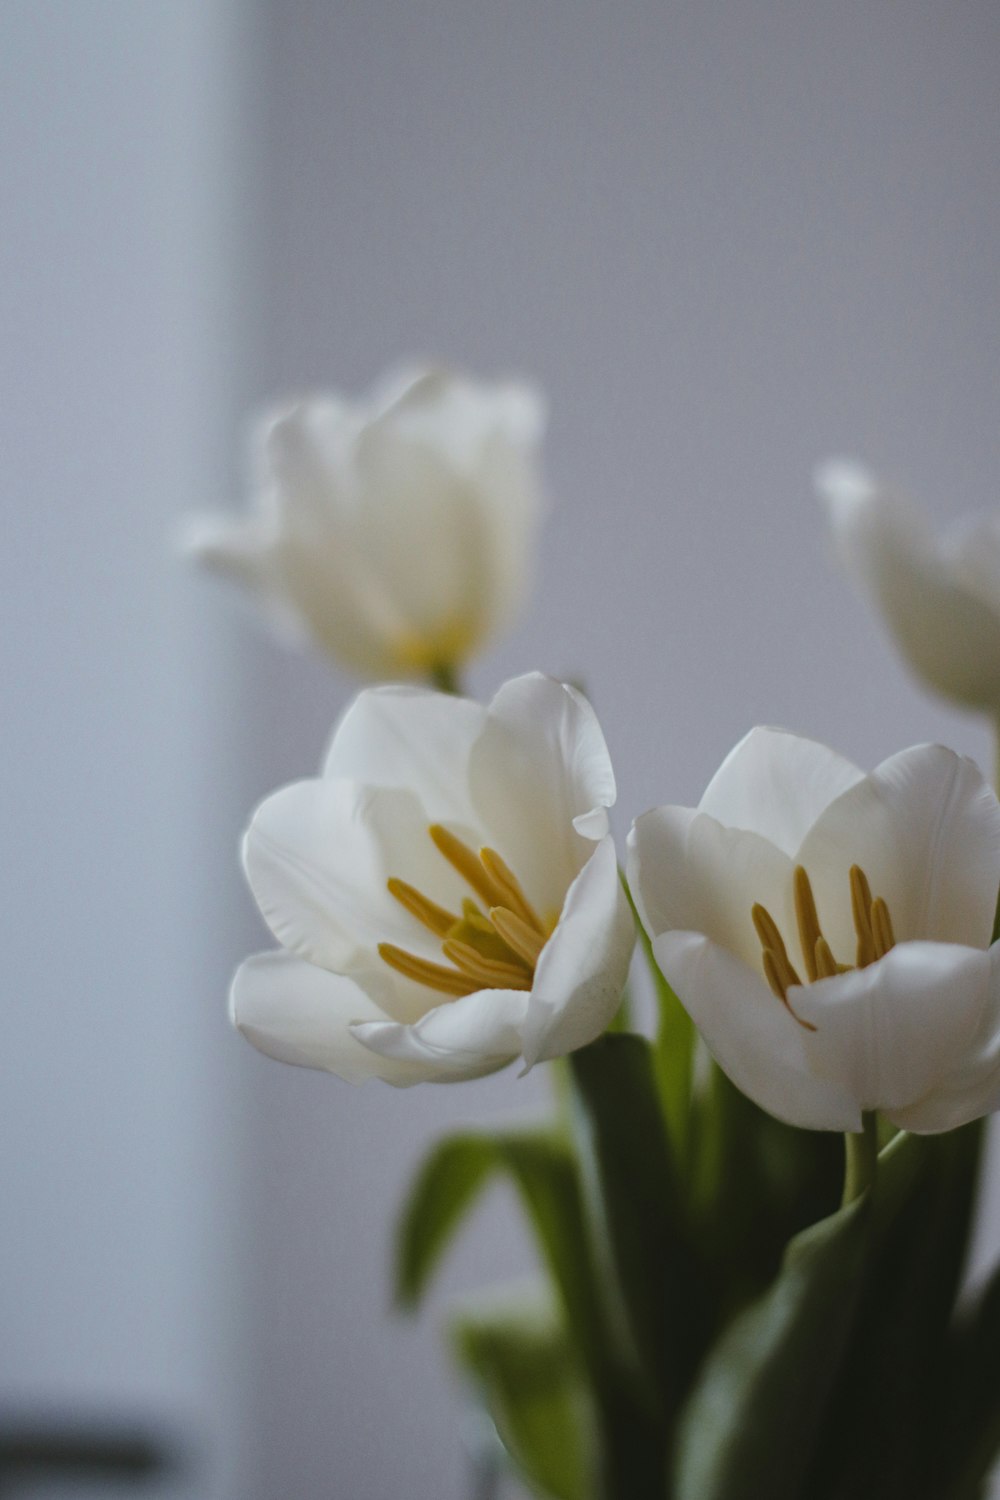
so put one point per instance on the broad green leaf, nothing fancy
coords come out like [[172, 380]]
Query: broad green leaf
[[755, 1184], [636, 1210], [530, 1381], [969, 1418], [752, 1421], [541, 1167], [444, 1190], [884, 1435]]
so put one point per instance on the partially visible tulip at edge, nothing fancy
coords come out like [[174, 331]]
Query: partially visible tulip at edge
[[398, 533], [830, 931], [446, 894], [939, 597]]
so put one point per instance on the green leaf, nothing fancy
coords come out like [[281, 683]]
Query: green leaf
[[969, 1418], [636, 1212], [752, 1421], [541, 1166], [444, 1190], [755, 1184], [885, 1434], [676, 1038], [525, 1368]]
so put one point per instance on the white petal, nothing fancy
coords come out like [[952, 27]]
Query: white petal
[[300, 1014], [246, 552], [689, 873], [751, 1034], [421, 533], [460, 1039], [583, 967], [318, 855], [539, 771], [925, 828], [972, 554], [776, 784], [398, 736], [948, 636], [972, 1088], [887, 1033]]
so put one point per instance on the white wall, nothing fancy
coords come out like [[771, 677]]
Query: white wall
[[729, 238], [123, 273]]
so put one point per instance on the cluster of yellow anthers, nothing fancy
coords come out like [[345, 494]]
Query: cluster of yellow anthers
[[492, 949], [872, 927]]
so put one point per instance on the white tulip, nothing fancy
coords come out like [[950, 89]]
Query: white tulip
[[446, 893], [939, 598], [399, 532], [829, 932]]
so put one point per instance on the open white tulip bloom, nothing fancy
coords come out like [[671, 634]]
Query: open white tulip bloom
[[446, 893], [940, 598], [829, 931], [398, 533]]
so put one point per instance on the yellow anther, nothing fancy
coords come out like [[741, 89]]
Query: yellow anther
[[770, 938], [808, 922], [468, 865], [435, 976], [494, 952], [487, 973], [872, 926], [435, 917], [771, 974], [825, 963], [882, 931], [511, 894], [861, 912], [524, 940]]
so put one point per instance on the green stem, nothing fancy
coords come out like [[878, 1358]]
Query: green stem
[[444, 677], [862, 1157]]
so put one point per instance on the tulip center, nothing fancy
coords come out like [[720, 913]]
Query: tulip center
[[872, 928], [493, 944]]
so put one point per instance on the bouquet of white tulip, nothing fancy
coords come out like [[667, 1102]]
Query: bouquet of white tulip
[[734, 1305]]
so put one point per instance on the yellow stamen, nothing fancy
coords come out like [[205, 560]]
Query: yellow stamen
[[524, 940], [484, 939], [771, 974], [426, 911], [770, 938], [872, 926], [826, 965], [775, 978], [861, 911], [808, 922], [882, 931], [512, 896], [462, 859], [498, 951], [435, 976], [487, 973]]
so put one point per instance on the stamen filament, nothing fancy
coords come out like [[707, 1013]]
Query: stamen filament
[[512, 895], [435, 976], [487, 973], [462, 859], [516, 933], [435, 917]]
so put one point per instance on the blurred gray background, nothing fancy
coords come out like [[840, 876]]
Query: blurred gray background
[[729, 239]]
